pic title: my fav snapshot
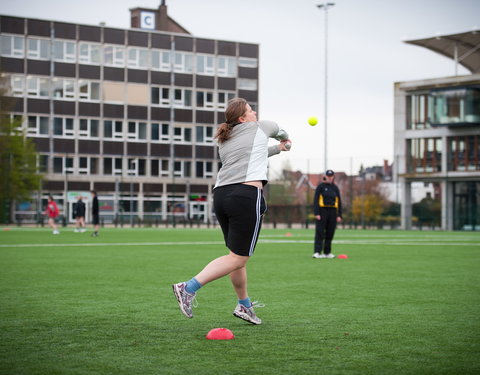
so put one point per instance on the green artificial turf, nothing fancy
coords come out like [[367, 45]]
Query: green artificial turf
[[402, 303]]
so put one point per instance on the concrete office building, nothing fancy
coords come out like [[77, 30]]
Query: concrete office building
[[437, 134], [130, 113]]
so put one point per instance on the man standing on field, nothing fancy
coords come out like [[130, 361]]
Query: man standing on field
[[95, 214], [327, 207]]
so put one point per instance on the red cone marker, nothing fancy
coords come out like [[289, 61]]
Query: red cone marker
[[342, 256], [220, 334]]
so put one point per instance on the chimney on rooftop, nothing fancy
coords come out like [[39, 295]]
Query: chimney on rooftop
[[155, 19]]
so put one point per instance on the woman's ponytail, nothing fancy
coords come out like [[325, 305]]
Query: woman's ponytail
[[236, 108]]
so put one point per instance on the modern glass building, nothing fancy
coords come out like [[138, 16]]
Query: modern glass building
[[129, 113], [437, 134]]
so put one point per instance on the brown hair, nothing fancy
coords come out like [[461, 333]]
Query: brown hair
[[236, 108]]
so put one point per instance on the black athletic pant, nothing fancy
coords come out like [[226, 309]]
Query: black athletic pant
[[325, 229]]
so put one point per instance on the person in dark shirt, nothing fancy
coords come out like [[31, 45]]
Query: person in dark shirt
[[79, 213], [95, 214], [327, 208]]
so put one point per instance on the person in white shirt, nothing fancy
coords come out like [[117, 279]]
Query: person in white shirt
[[238, 202]]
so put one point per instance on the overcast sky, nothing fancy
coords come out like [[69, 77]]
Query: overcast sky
[[366, 55]]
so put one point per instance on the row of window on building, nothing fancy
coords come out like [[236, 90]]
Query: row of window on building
[[119, 56], [116, 130], [122, 93], [115, 206], [425, 154], [123, 167], [443, 107]]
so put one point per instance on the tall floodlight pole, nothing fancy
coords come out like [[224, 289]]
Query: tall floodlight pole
[[325, 7]]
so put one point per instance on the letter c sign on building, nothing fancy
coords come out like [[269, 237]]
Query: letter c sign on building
[[147, 20]]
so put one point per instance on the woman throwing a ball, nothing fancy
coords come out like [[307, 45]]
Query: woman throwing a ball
[[238, 202]]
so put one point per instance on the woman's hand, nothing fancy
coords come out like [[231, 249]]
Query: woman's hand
[[285, 145]]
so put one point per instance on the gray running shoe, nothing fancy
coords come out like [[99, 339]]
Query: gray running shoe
[[318, 255], [247, 313], [185, 299], [330, 256]]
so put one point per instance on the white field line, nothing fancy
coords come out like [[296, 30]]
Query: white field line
[[386, 234], [438, 236], [115, 244], [444, 237], [206, 243], [378, 242], [411, 240]]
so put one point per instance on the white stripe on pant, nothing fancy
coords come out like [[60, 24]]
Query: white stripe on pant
[[257, 224]]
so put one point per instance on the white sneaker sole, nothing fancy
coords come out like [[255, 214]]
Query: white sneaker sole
[[246, 318]]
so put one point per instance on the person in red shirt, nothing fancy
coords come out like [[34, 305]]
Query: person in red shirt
[[52, 212]]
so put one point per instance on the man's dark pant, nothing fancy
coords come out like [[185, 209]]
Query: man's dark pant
[[325, 229]]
